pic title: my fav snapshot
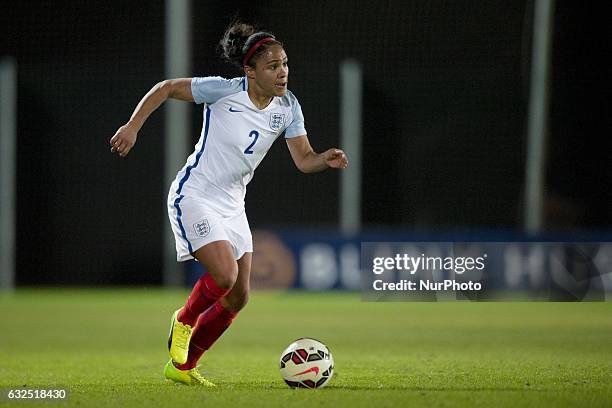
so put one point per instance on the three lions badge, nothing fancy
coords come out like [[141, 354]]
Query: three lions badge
[[202, 228], [277, 120]]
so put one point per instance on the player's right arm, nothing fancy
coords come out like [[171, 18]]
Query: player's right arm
[[125, 137]]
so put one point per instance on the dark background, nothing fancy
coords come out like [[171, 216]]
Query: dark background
[[444, 122]]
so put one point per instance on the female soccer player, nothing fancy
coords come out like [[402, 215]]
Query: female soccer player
[[242, 118]]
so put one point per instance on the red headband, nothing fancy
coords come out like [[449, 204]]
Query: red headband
[[252, 50]]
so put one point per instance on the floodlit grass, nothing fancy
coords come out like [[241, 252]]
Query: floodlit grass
[[107, 348]]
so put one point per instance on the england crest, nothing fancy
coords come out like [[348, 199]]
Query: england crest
[[277, 120], [202, 228]]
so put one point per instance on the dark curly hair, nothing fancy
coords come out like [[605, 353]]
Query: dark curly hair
[[239, 38]]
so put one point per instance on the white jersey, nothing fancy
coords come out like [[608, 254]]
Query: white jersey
[[235, 138]]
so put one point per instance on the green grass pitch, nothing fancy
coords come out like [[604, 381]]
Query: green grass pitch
[[107, 347]]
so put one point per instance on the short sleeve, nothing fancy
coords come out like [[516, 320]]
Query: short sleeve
[[211, 89], [296, 127]]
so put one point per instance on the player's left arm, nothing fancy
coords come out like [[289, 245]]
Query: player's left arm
[[308, 161]]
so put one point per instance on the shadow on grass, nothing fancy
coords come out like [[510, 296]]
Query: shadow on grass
[[377, 387], [432, 389]]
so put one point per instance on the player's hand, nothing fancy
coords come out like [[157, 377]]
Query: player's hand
[[336, 159], [123, 140]]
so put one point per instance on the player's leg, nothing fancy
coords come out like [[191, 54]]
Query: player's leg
[[218, 258], [238, 297], [216, 319]]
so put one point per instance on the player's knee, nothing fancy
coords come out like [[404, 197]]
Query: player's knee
[[225, 275]]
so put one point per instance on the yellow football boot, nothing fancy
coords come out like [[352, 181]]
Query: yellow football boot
[[178, 339], [188, 377]]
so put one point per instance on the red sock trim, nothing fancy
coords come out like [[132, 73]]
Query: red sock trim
[[224, 313], [210, 288]]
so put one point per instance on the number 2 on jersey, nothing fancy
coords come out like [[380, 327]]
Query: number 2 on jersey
[[254, 134]]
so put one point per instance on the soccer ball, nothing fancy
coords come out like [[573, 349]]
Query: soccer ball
[[306, 363]]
